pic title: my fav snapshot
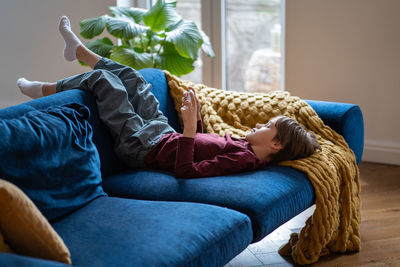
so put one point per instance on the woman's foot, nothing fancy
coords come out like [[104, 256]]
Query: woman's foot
[[70, 39], [33, 89]]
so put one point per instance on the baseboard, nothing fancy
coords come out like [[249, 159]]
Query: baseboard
[[381, 152]]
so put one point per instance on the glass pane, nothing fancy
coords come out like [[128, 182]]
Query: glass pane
[[253, 30], [191, 10]]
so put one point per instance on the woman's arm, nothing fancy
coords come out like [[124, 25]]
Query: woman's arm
[[199, 120], [233, 162], [189, 113]]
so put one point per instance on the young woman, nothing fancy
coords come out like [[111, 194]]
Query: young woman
[[143, 136]]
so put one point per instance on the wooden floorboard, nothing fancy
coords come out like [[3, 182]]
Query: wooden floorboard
[[380, 226]]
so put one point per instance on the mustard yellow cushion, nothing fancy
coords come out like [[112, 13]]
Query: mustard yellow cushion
[[25, 229], [3, 245]]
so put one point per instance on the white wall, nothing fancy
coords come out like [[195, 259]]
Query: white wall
[[349, 51], [30, 45]]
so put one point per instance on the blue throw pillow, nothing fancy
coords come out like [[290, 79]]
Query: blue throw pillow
[[50, 155]]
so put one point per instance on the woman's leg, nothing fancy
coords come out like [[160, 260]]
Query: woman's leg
[[133, 135], [144, 102], [87, 56], [111, 98], [73, 47], [49, 89], [139, 95], [36, 89], [139, 91]]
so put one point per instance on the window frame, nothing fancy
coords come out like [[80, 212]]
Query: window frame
[[213, 19]]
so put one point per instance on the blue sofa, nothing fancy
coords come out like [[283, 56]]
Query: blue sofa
[[150, 218]]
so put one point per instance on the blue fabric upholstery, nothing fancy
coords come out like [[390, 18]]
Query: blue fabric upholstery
[[50, 155], [112, 231], [110, 164], [346, 119], [14, 260], [270, 197], [124, 232]]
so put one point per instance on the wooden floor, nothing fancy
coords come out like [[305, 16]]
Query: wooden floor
[[380, 227]]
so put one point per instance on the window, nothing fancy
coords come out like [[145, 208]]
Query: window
[[191, 10], [253, 37], [247, 38]]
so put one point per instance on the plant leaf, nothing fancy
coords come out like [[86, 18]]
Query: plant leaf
[[101, 47], [171, 61], [161, 15], [124, 28], [207, 46], [130, 58], [83, 64], [93, 27], [186, 38], [155, 41], [134, 13]]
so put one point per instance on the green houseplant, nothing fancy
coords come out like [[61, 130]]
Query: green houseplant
[[154, 38]]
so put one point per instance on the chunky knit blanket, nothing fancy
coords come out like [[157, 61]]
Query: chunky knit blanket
[[334, 226]]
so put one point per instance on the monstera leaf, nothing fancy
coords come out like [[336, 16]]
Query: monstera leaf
[[186, 38], [156, 38], [136, 14], [172, 61], [161, 15], [93, 27], [101, 47], [207, 46], [130, 58], [124, 28]]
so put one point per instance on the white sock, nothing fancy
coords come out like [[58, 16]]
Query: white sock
[[70, 39], [32, 89]]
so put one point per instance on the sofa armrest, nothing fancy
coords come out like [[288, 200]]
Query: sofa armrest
[[346, 119], [7, 259]]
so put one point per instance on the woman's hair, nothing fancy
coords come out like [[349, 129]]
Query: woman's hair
[[296, 141]]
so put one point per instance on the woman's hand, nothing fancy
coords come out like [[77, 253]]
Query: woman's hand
[[189, 111], [197, 103]]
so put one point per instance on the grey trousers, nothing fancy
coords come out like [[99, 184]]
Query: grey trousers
[[127, 107]]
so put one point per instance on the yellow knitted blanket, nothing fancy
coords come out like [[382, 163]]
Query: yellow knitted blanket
[[334, 226]]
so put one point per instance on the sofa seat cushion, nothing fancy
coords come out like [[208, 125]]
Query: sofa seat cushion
[[270, 197], [125, 232]]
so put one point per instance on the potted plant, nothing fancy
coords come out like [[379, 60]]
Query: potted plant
[[154, 38]]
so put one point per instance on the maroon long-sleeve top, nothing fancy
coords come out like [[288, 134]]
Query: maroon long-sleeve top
[[202, 156]]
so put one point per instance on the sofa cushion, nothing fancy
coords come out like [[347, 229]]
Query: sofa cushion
[[125, 232], [160, 90], [270, 196], [26, 230], [4, 247], [14, 260], [101, 135], [50, 155]]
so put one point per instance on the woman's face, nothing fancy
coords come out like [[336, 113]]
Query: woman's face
[[263, 134]]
